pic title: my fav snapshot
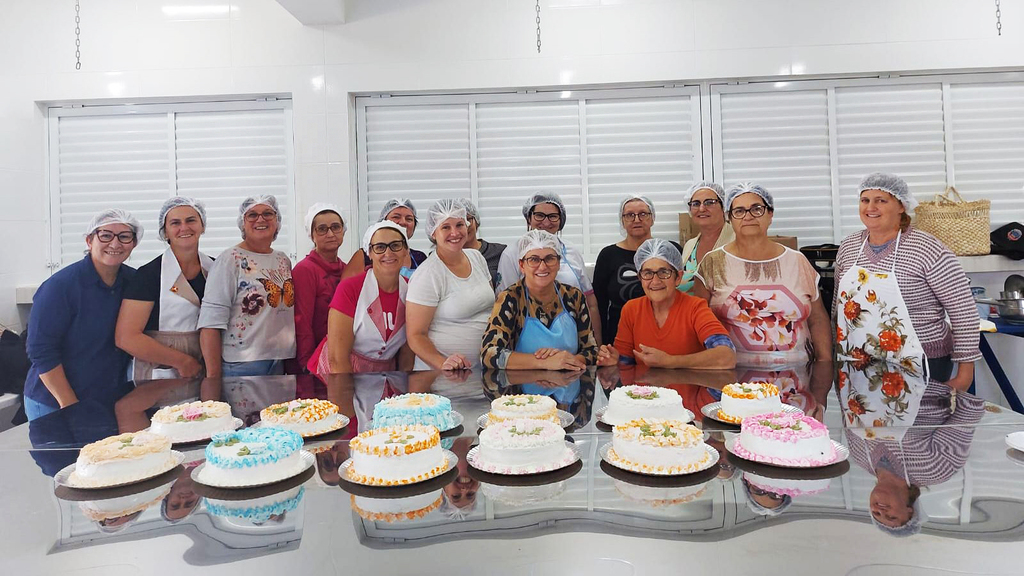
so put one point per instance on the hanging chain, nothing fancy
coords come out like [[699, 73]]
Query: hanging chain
[[999, 23], [78, 39], [538, 26]]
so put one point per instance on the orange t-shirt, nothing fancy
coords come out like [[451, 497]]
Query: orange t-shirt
[[690, 322]]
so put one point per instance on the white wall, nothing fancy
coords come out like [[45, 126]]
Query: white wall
[[149, 48]]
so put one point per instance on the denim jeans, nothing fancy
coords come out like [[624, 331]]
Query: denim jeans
[[35, 409], [254, 368]]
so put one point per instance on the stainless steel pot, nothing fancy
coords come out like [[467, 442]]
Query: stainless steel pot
[[1008, 309]]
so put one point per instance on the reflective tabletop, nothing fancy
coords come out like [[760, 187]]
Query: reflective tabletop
[[904, 436]]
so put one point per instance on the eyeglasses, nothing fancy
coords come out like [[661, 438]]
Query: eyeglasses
[[695, 204], [540, 217], [324, 229], [757, 210], [106, 236], [549, 260], [269, 216], [663, 273], [381, 247], [633, 216]]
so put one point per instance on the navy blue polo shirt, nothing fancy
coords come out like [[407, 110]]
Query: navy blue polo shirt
[[72, 324]]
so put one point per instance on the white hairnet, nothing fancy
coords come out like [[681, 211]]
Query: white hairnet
[[706, 185], [658, 248], [397, 203], [471, 211], [388, 224], [892, 184], [442, 210], [537, 240], [115, 216], [248, 203], [917, 519], [543, 197], [315, 211], [644, 199], [743, 188], [177, 202]]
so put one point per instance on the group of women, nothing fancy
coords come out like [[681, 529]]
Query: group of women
[[729, 296]]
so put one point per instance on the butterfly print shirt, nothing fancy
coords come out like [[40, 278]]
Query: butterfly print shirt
[[251, 298]]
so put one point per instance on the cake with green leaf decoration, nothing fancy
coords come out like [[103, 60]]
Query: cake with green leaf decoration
[[660, 447], [305, 416], [192, 421], [627, 403], [515, 406], [522, 446], [252, 456]]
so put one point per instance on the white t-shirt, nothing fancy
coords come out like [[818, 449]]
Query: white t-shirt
[[572, 271], [462, 305]]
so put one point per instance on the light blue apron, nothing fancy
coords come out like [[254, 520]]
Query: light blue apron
[[562, 334]]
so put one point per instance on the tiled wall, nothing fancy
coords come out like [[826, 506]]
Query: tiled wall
[[149, 48]]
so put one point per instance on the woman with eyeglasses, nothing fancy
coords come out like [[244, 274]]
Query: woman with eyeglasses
[[247, 321], [449, 296], [538, 322], [401, 211], [615, 279], [546, 211], [74, 314], [316, 278], [666, 328], [366, 323], [707, 210], [764, 293], [491, 250], [160, 312]]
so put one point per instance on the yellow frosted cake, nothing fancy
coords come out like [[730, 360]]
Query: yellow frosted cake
[[516, 406], [396, 455], [744, 399], [305, 416], [663, 447]]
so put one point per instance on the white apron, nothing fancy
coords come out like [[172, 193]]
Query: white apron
[[370, 351], [179, 315], [873, 322]]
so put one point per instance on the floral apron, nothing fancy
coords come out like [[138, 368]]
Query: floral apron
[[886, 358], [880, 401]]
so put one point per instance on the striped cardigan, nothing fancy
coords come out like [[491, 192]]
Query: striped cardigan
[[933, 285]]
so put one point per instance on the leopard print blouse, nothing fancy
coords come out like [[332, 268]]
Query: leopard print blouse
[[509, 314]]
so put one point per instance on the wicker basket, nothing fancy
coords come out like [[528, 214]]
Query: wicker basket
[[959, 224]]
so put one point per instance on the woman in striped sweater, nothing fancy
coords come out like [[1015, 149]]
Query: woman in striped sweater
[[895, 286]]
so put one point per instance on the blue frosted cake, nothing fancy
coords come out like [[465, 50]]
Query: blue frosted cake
[[257, 511], [408, 409], [252, 456]]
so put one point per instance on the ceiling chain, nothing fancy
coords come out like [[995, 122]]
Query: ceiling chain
[[538, 26], [78, 39], [999, 22]]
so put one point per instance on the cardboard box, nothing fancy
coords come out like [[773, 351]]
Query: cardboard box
[[688, 229]]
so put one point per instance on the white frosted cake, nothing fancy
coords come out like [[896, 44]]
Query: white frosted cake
[[787, 486], [658, 447], [193, 421], [744, 399], [306, 416], [122, 459], [522, 446], [628, 403], [522, 495], [516, 406], [396, 509], [252, 457], [785, 439], [396, 455], [100, 510], [660, 497]]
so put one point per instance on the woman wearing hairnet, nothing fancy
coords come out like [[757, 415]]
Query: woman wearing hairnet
[[316, 277], [765, 294], [74, 313], [706, 201], [450, 295], [366, 325], [401, 211], [615, 279], [247, 320], [666, 328], [895, 286], [491, 250], [159, 315], [546, 211], [538, 322]]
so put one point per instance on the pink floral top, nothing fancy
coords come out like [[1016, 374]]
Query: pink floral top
[[763, 305]]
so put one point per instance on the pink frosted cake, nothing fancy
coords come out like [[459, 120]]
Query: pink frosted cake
[[785, 439], [787, 487]]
